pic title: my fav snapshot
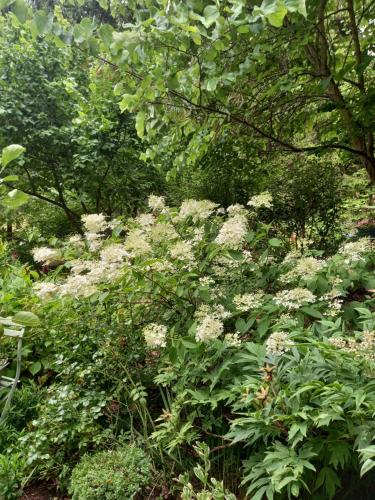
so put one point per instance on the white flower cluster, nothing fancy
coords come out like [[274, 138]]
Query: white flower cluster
[[261, 200], [210, 328], [232, 339], [365, 348], [94, 241], [136, 243], [295, 298], [45, 291], [305, 267], [182, 250], [278, 343], [155, 335], [232, 233], [353, 251], [94, 223], [46, 255], [248, 301], [156, 203], [214, 310], [163, 232], [236, 209], [196, 209], [145, 221], [114, 253], [76, 241]]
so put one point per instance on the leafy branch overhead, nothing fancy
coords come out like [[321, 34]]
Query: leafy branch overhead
[[297, 76]]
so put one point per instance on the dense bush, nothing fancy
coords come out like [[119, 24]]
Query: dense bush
[[111, 475], [207, 328]]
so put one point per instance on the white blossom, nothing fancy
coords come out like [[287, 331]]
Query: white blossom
[[156, 203], [136, 243], [295, 298], [236, 209], [145, 221], [365, 348], [94, 241], [94, 223], [278, 343], [114, 253], [261, 200], [182, 251], [232, 233], [210, 328], [196, 209], [248, 301], [162, 232], [213, 310], [155, 335], [232, 339], [353, 251], [305, 267], [46, 255], [45, 290]]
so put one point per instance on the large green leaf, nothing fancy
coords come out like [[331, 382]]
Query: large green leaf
[[11, 153], [26, 318], [20, 10], [15, 199]]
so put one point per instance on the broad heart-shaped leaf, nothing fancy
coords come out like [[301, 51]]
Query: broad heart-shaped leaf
[[20, 10], [277, 17], [15, 199], [26, 318], [11, 153], [43, 22], [35, 367], [296, 6], [210, 14]]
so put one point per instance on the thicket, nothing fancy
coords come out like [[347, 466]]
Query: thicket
[[186, 249]]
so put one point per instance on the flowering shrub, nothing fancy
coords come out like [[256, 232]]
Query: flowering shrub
[[262, 351]]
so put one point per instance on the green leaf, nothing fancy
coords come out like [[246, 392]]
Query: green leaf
[[15, 199], [211, 14], [11, 153], [20, 10], [311, 312], [367, 465], [296, 6], [35, 367], [43, 22], [275, 242], [277, 18], [105, 32], [10, 178], [140, 123], [26, 318], [196, 37], [211, 84], [5, 3]]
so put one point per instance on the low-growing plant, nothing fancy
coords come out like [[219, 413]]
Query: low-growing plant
[[111, 475], [12, 468]]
